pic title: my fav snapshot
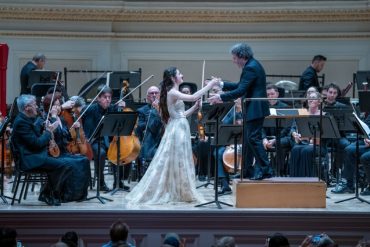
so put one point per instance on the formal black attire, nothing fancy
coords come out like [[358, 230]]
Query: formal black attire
[[31, 146], [308, 79], [149, 130], [76, 186], [25, 74], [252, 84]]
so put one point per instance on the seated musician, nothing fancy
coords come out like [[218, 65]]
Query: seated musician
[[349, 172], [269, 134], [332, 92], [301, 160], [31, 144], [149, 126], [78, 182], [90, 121], [234, 116]]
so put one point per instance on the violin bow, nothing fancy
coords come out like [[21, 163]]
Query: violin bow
[[133, 90], [52, 97]]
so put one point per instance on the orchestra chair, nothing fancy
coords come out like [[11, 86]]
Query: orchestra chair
[[24, 177]]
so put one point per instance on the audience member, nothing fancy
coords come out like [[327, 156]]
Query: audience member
[[118, 235], [172, 240], [277, 240], [225, 242], [72, 239], [319, 240], [8, 237]]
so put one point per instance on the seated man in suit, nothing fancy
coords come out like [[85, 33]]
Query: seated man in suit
[[149, 127], [31, 147]]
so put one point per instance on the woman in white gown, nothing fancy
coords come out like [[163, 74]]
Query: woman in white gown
[[170, 177]]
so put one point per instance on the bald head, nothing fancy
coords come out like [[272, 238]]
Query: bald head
[[152, 94]]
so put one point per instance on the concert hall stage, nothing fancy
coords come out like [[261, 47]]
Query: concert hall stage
[[41, 225]]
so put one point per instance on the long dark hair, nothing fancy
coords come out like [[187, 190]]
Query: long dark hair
[[166, 85]]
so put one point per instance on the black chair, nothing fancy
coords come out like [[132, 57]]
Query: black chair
[[24, 177]]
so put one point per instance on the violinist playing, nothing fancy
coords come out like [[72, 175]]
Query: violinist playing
[[30, 145], [77, 183], [90, 119], [150, 127]]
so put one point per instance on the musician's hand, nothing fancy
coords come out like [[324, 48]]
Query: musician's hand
[[68, 105], [215, 99], [155, 104], [367, 142], [76, 125], [197, 104], [297, 137], [54, 111], [51, 127], [122, 104]]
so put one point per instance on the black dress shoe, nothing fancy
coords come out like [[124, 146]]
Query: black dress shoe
[[257, 176], [225, 190], [267, 175], [366, 192], [343, 188], [56, 202], [47, 199], [104, 187]]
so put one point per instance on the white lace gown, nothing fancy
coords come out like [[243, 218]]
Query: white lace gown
[[170, 177]]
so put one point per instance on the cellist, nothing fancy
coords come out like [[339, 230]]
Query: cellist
[[91, 119]]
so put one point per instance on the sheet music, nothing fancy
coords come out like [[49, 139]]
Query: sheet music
[[364, 127]]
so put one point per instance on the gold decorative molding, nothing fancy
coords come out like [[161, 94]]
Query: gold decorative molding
[[180, 36], [186, 15]]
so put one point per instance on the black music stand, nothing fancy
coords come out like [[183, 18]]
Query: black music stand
[[119, 124], [310, 126], [215, 114], [363, 131], [231, 135]]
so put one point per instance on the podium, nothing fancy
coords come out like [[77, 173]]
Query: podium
[[215, 114], [113, 124]]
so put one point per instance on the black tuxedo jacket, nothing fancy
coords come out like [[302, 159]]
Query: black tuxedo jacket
[[25, 74], [309, 79], [29, 142], [252, 84]]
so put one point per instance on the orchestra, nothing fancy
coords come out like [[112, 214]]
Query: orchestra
[[58, 135]]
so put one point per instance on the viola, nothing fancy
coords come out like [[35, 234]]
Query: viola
[[129, 145], [79, 143]]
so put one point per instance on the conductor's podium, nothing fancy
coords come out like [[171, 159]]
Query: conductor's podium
[[280, 192]]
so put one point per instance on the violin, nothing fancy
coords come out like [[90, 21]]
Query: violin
[[129, 145], [79, 143], [200, 127]]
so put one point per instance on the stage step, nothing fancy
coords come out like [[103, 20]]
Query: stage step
[[280, 192]]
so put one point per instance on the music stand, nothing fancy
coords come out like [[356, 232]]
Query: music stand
[[311, 125], [231, 135], [215, 114], [364, 100], [362, 129], [119, 124]]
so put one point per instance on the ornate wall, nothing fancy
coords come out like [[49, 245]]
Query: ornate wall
[[121, 35]]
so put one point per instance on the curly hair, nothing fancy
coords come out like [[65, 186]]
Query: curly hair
[[166, 85]]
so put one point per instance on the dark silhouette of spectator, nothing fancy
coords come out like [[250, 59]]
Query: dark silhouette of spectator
[[277, 240], [72, 239], [60, 244], [118, 235], [225, 242], [319, 240], [172, 240], [8, 237]]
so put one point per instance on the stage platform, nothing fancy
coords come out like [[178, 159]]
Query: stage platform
[[41, 225]]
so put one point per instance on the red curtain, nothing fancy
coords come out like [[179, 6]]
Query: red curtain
[[4, 51]]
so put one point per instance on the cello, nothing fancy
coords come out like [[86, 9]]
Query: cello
[[129, 145]]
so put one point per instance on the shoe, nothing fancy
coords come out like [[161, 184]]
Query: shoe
[[343, 188], [47, 199], [224, 190], [104, 187], [366, 192], [56, 202], [257, 176]]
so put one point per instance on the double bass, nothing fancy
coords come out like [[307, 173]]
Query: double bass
[[129, 145]]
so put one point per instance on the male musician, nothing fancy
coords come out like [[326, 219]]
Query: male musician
[[332, 92], [269, 134], [252, 84], [350, 156], [149, 127], [91, 119], [38, 62], [309, 77], [31, 147]]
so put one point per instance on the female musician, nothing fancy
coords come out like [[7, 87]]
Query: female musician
[[301, 160], [170, 177], [77, 183]]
